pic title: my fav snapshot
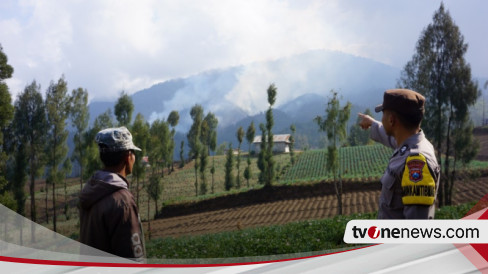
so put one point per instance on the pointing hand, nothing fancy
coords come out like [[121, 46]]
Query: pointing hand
[[366, 121]]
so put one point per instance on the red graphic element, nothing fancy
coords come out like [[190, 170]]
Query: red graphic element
[[477, 254], [99, 264], [415, 170], [373, 232]]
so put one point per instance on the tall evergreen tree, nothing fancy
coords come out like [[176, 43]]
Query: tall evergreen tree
[[335, 124], [204, 151], [213, 146], [67, 168], [240, 137], [159, 149], [57, 106], [292, 144], [229, 163], [79, 119], [173, 119], [123, 109], [209, 138], [6, 114], [262, 165], [19, 178], [154, 154], [250, 134], [272, 91], [211, 124], [30, 127], [153, 190], [439, 71], [193, 137], [140, 135]]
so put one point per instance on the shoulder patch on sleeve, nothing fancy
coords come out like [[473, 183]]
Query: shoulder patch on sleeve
[[418, 185]]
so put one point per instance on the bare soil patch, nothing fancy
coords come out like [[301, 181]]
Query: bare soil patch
[[299, 205]]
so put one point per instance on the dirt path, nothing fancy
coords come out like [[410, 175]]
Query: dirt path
[[292, 210]]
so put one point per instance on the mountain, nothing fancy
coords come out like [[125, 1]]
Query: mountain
[[301, 112], [237, 92], [237, 95]]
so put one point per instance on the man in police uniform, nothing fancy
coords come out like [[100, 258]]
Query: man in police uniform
[[410, 182]]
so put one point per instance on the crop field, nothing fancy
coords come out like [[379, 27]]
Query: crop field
[[361, 163], [292, 210], [311, 236], [358, 163]]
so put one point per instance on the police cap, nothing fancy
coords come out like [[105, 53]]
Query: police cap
[[403, 101]]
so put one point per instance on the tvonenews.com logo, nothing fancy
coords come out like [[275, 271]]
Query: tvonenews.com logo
[[373, 232], [416, 231]]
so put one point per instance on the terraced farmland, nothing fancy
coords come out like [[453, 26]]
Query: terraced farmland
[[360, 163], [292, 210], [363, 164]]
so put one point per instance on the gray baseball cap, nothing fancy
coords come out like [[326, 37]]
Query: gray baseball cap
[[115, 139]]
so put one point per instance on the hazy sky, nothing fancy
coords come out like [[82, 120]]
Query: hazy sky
[[107, 46]]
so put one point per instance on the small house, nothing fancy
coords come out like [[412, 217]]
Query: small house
[[281, 143]]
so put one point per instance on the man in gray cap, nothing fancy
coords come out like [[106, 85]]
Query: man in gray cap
[[109, 218], [411, 180]]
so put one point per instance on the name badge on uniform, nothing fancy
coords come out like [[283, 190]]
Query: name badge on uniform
[[403, 149]]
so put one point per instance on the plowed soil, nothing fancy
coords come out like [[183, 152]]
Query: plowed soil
[[291, 210]]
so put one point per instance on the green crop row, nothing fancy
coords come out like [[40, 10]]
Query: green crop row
[[299, 237], [360, 163]]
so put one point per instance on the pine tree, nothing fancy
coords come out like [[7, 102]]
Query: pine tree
[[229, 163], [6, 114], [335, 124], [240, 137], [140, 135], [123, 109], [262, 165], [193, 137], [57, 106], [173, 119], [209, 139], [292, 144], [250, 133], [270, 169], [30, 128], [79, 119], [439, 71], [213, 146]]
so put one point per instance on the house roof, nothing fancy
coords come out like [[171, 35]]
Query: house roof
[[278, 138]]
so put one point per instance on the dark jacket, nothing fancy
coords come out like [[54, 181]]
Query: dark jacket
[[109, 219]]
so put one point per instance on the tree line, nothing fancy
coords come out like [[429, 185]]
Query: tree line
[[34, 134]]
